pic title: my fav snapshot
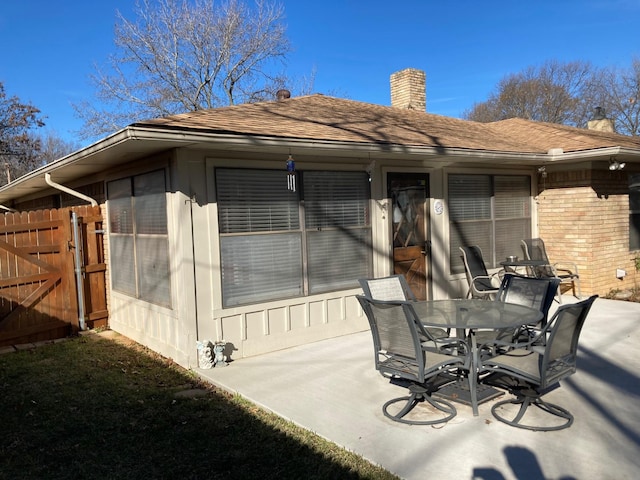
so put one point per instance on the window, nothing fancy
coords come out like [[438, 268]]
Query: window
[[139, 243], [276, 243], [634, 212], [491, 211]]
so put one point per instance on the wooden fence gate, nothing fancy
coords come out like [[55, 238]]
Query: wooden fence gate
[[44, 293]]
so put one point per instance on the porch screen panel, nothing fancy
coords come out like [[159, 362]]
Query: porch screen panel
[[152, 254], [337, 222], [634, 212], [255, 201], [139, 239], [469, 216], [491, 211], [260, 236], [512, 196], [337, 259], [152, 244], [123, 271], [261, 267]]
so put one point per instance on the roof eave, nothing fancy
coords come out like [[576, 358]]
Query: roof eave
[[138, 141]]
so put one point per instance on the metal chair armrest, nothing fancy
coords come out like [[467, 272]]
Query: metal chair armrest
[[569, 267]]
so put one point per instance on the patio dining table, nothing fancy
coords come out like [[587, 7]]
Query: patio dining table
[[467, 316]]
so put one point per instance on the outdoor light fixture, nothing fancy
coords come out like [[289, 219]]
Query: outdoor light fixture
[[616, 165], [542, 171]]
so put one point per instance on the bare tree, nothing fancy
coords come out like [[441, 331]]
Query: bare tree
[[180, 56], [618, 92], [53, 147], [555, 92], [18, 146]]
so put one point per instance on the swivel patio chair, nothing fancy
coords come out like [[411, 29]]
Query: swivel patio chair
[[481, 284], [530, 372], [394, 287], [566, 271], [531, 292], [399, 352]]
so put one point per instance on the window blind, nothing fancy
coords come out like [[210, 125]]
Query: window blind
[[138, 238], [255, 201], [262, 232], [261, 267], [491, 211], [338, 230], [469, 197]]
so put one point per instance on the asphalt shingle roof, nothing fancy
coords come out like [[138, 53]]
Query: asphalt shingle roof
[[319, 117]]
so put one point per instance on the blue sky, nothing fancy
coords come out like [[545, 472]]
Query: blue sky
[[464, 46]]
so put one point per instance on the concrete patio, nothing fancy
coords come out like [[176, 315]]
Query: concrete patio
[[332, 388]]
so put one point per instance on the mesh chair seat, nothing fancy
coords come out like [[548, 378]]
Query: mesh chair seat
[[565, 271], [529, 371], [531, 292], [395, 287], [481, 284], [400, 353]]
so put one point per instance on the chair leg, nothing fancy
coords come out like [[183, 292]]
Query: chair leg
[[418, 394], [526, 401]]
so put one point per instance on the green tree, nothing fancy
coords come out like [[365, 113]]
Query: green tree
[[179, 56]]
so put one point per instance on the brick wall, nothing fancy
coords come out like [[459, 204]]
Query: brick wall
[[583, 216], [408, 89]]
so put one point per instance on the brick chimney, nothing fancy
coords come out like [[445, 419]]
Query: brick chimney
[[409, 89], [600, 121]]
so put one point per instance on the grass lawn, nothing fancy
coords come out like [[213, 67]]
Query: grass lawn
[[95, 408]]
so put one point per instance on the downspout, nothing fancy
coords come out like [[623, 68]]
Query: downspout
[[79, 270], [62, 188], [79, 264]]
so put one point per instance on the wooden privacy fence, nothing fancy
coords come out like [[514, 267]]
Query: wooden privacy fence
[[44, 292]]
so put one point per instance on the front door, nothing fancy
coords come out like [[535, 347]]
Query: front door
[[409, 193]]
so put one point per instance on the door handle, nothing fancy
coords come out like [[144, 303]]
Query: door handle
[[427, 248]]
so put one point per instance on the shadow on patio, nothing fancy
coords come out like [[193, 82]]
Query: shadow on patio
[[332, 388]]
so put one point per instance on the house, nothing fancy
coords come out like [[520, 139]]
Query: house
[[251, 224]]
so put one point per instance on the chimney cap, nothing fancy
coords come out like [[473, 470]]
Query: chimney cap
[[599, 114], [283, 94]]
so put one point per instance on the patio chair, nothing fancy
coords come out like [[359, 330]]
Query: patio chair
[[532, 292], [395, 287], [400, 353], [566, 271], [529, 371], [481, 284]]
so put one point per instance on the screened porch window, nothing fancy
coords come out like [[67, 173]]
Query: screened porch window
[[634, 212], [139, 243], [491, 211], [276, 243]]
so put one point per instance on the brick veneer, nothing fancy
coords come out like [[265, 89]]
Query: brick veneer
[[583, 216], [408, 89]]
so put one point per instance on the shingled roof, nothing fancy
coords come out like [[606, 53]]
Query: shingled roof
[[319, 117]]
